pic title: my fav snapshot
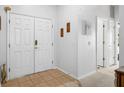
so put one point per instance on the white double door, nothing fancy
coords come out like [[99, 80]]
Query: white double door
[[30, 45]]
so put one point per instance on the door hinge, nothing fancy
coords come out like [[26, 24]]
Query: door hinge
[[9, 69], [52, 61], [103, 26], [103, 42], [9, 21], [103, 58], [9, 45]]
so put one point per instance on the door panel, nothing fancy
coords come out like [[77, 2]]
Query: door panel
[[100, 42], [43, 48], [105, 50], [106, 41], [111, 42], [22, 49]]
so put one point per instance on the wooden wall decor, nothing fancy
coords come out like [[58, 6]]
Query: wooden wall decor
[[68, 27], [0, 23], [62, 32]]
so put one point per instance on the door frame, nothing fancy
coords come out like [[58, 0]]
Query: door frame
[[96, 40], [96, 36], [117, 27], [8, 13]]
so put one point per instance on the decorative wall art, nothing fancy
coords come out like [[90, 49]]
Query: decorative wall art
[[85, 27], [68, 27], [62, 32]]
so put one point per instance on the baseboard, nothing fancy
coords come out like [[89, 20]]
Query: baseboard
[[86, 75], [56, 67], [78, 78]]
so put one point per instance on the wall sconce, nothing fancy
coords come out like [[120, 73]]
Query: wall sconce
[[68, 27], [62, 32], [7, 8]]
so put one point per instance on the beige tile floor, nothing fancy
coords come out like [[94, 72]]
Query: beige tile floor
[[49, 78]]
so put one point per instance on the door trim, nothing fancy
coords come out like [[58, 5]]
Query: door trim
[[8, 42], [97, 18], [96, 36], [8, 39]]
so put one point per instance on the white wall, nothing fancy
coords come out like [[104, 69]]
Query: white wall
[[121, 41], [87, 52], [116, 12], [112, 11], [66, 46], [39, 11], [74, 49]]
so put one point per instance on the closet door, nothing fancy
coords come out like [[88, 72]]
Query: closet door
[[21, 45], [43, 44], [100, 53], [111, 48]]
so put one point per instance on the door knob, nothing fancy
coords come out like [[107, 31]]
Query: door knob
[[35, 44]]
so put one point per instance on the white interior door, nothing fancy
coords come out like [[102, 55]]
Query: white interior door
[[111, 42], [43, 59], [106, 42], [21, 45], [100, 42]]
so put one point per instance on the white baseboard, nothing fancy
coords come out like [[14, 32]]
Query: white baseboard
[[54, 67], [66, 72], [78, 78], [88, 74]]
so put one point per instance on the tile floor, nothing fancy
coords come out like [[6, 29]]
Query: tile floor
[[49, 78]]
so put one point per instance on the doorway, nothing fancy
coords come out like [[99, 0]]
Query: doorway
[[106, 49], [30, 45]]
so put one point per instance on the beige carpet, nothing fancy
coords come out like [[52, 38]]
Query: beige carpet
[[104, 77]]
